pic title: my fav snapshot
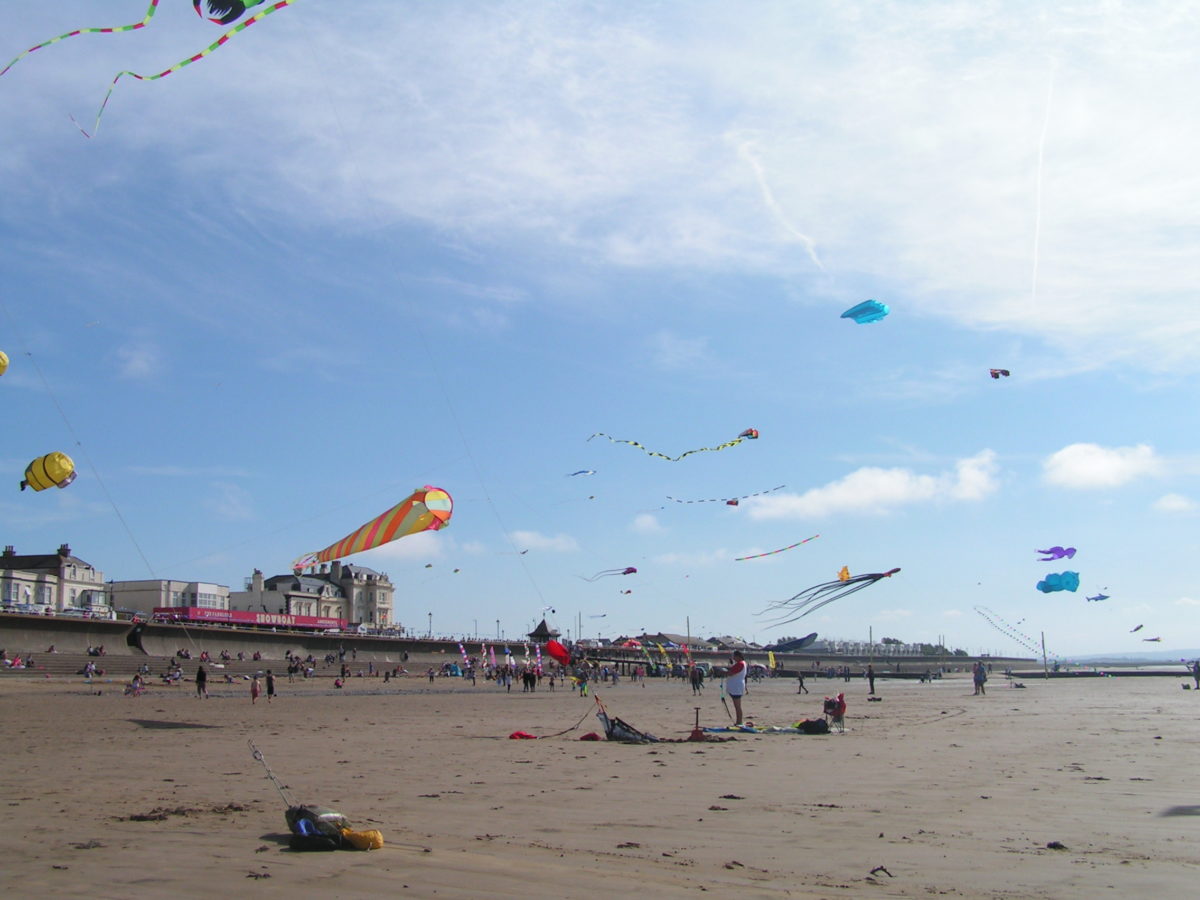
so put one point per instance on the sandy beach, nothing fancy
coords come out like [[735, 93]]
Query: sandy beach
[[931, 791]]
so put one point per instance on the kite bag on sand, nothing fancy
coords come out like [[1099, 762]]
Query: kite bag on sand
[[316, 827]]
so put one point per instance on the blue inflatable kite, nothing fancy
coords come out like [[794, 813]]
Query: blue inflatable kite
[[1059, 581], [867, 311]]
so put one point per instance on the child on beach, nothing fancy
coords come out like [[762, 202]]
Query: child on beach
[[255, 689]]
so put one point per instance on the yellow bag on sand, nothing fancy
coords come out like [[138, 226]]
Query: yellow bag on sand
[[363, 840]]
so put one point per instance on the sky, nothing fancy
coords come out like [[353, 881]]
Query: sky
[[364, 247]]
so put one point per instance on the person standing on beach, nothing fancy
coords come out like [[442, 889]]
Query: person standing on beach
[[980, 674], [201, 682], [255, 688], [1196, 673], [270, 686], [871, 677], [735, 684]]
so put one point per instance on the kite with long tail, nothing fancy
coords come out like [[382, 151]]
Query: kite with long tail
[[811, 599], [226, 11], [780, 550], [750, 434], [628, 570], [730, 501]]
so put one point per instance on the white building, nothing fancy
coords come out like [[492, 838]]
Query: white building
[[55, 581], [145, 596], [357, 594]]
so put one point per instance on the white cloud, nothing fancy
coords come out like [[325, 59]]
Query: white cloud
[[424, 545], [138, 361], [1174, 503], [646, 523], [951, 613], [1084, 466], [693, 559], [1187, 601], [229, 501], [686, 135], [670, 351], [892, 615], [872, 490], [533, 540]]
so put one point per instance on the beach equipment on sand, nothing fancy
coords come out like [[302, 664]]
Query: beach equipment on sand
[[317, 827]]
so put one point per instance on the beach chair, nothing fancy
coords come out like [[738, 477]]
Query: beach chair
[[835, 713]]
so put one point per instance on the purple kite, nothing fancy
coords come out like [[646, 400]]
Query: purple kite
[[1057, 553]]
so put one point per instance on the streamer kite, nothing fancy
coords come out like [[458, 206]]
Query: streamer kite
[[750, 434], [628, 570], [1138, 628], [780, 550], [1059, 581], [426, 509], [581, 472], [1057, 553], [1153, 640], [866, 312], [730, 501], [225, 12], [811, 599]]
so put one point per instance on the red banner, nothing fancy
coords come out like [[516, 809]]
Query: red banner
[[244, 617]]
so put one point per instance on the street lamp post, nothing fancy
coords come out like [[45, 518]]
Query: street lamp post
[[430, 625], [497, 629]]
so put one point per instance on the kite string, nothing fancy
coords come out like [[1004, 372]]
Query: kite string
[[111, 29], [352, 155], [241, 26], [75, 437], [1037, 218]]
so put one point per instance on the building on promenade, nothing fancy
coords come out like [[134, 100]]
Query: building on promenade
[[59, 582], [357, 594], [145, 596]]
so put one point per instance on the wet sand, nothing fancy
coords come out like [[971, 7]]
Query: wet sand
[[931, 791]]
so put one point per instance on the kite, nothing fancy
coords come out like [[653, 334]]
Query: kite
[[3, 362], [1010, 631], [996, 373], [780, 550], [52, 470], [558, 652], [730, 501], [811, 599], [1139, 628], [581, 472], [1097, 598], [1057, 553], [844, 573], [867, 311], [750, 434], [1059, 581], [426, 509], [1153, 640], [628, 570], [227, 11]]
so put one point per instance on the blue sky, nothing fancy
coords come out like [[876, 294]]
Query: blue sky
[[365, 247]]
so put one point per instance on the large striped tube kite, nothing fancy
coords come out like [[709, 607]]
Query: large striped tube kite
[[3, 362], [52, 470], [427, 509]]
